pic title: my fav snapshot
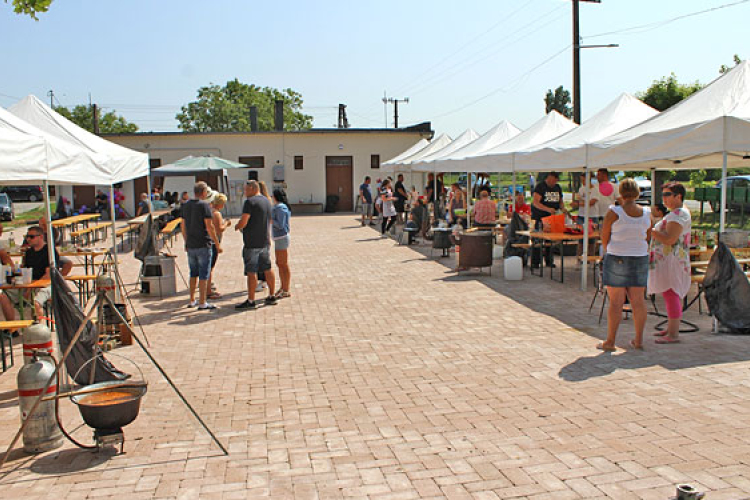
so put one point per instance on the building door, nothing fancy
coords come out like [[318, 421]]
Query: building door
[[339, 181], [211, 179], [140, 185], [84, 195]]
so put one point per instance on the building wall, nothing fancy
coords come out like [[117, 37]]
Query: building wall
[[300, 185]]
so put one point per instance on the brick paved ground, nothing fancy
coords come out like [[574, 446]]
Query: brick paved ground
[[387, 377]]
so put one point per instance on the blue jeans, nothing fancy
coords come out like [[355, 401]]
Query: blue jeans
[[199, 261]]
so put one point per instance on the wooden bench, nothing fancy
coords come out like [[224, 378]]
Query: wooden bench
[[83, 282], [127, 230], [90, 232], [6, 327], [170, 230]]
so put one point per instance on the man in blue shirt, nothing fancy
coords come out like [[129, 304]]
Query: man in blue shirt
[[365, 198]]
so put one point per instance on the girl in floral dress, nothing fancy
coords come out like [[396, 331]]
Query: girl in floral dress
[[670, 260]]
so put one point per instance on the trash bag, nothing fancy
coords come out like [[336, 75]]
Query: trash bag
[[332, 202], [146, 245], [68, 317], [727, 291], [511, 238]]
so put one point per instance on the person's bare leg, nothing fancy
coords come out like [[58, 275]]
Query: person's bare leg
[[282, 262], [614, 314], [6, 305], [39, 310], [67, 267], [202, 286], [193, 284], [638, 305], [271, 280], [252, 282]]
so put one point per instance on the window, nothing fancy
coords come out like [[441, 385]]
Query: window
[[154, 163], [298, 163], [252, 161], [374, 161]]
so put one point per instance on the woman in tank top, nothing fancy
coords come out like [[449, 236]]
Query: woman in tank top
[[625, 233]]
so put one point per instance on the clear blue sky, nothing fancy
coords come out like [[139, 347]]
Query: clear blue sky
[[145, 58]]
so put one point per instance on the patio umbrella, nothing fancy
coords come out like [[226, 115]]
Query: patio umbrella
[[197, 165]]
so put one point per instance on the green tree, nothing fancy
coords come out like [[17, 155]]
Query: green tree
[[227, 109], [109, 123], [665, 93], [559, 100], [30, 7], [724, 68]]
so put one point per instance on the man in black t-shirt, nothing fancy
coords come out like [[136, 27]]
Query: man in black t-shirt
[[198, 233], [548, 199], [401, 197], [255, 225]]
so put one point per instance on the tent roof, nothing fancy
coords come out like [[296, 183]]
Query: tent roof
[[568, 152], [500, 133], [192, 165], [423, 143], [122, 163], [500, 158], [436, 145], [30, 156], [431, 161], [695, 132]]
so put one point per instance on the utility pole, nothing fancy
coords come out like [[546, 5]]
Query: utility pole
[[577, 59], [51, 95], [343, 120], [95, 117], [395, 102]]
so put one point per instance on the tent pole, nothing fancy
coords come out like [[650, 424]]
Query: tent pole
[[50, 234], [112, 216], [469, 191], [722, 215], [586, 213], [653, 186], [148, 193]]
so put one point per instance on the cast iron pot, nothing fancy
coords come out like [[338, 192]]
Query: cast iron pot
[[111, 415]]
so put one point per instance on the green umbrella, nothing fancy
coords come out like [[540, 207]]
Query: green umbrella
[[193, 165]]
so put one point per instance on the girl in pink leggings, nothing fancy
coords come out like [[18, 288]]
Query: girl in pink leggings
[[670, 260]]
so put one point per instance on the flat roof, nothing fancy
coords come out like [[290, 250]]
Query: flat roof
[[421, 128]]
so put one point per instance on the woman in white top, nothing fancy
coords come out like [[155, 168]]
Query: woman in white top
[[625, 267], [670, 259]]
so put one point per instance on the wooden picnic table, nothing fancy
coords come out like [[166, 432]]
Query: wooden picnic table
[[71, 223], [705, 263], [141, 219], [29, 287], [89, 256], [559, 239]]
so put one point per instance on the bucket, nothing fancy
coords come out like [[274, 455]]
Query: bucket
[[556, 223], [513, 269]]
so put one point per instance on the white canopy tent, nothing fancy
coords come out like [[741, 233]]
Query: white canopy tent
[[423, 143], [568, 152], [404, 165], [121, 163], [429, 162], [499, 134], [501, 157]]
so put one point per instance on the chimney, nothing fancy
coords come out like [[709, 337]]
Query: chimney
[[253, 118], [278, 115]]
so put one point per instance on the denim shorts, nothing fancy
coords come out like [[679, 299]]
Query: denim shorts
[[282, 243], [199, 261], [624, 272], [257, 260]]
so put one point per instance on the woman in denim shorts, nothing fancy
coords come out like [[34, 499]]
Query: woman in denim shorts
[[625, 234]]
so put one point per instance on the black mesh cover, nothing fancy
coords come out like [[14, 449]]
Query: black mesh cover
[[727, 291]]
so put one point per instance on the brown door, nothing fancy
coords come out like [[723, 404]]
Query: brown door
[[339, 181], [140, 185], [84, 195]]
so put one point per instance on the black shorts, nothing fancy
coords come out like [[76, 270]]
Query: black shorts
[[399, 204]]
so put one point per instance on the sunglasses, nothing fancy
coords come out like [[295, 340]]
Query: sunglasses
[[667, 194], [31, 236]]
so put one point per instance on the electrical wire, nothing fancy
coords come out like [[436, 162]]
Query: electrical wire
[[642, 28], [506, 88]]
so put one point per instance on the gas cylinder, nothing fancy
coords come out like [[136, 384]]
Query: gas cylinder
[[42, 432], [106, 284], [37, 337]]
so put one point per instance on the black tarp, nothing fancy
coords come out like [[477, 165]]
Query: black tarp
[[146, 245], [511, 238], [728, 291], [68, 317]]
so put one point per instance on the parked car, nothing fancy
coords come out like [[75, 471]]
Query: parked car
[[645, 187], [23, 193], [7, 212], [736, 181]]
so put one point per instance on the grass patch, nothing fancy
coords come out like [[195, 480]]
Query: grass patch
[[25, 218]]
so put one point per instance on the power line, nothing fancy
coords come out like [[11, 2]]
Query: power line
[[506, 88], [642, 28]]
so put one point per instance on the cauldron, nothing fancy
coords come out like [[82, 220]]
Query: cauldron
[[109, 408]]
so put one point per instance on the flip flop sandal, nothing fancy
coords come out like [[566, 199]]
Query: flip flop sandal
[[667, 340], [605, 348], [636, 346], [214, 295], [281, 294], [661, 333]]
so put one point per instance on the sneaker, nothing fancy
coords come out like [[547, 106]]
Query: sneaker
[[261, 286], [383, 236], [245, 306], [206, 306], [271, 300], [193, 304]]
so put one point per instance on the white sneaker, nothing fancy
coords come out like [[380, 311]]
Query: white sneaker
[[261, 286]]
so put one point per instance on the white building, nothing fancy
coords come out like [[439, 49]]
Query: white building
[[309, 164]]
